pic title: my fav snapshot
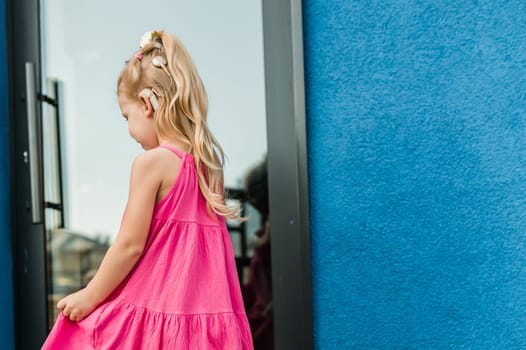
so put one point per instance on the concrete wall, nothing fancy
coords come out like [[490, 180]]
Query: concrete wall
[[417, 151]]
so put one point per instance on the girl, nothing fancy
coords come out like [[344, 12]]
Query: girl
[[169, 280]]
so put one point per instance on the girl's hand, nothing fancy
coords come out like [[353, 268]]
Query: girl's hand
[[77, 306]]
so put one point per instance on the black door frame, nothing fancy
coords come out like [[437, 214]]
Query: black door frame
[[288, 173], [287, 167], [23, 32]]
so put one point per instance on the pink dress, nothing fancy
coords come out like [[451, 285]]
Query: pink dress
[[182, 294]]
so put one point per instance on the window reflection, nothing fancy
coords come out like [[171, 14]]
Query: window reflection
[[257, 286]]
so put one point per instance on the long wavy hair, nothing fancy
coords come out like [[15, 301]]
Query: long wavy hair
[[182, 109]]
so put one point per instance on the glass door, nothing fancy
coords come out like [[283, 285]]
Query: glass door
[[65, 56], [86, 147]]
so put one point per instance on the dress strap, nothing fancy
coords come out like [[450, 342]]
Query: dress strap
[[173, 149]]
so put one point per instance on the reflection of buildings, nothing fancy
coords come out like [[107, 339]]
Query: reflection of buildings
[[72, 260]]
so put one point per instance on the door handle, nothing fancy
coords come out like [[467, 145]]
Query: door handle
[[33, 131]]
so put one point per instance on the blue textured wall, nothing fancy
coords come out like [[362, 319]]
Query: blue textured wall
[[6, 263], [417, 151]]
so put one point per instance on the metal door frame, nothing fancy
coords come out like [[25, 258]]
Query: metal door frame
[[288, 173], [23, 46]]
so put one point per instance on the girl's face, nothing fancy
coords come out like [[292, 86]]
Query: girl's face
[[139, 115]]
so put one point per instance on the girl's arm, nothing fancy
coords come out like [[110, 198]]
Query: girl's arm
[[128, 246]]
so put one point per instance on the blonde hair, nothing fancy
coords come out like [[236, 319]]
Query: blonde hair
[[182, 109]]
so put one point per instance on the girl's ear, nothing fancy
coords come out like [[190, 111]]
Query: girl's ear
[[147, 106]]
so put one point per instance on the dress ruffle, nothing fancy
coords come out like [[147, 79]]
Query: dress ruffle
[[110, 327]]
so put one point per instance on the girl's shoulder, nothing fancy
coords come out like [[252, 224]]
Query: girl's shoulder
[[157, 162], [156, 156], [149, 159], [159, 165]]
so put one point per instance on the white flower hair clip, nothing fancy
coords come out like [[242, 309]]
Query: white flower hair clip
[[152, 37], [149, 37]]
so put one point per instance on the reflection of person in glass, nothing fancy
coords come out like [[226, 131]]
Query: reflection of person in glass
[[169, 280], [257, 291]]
